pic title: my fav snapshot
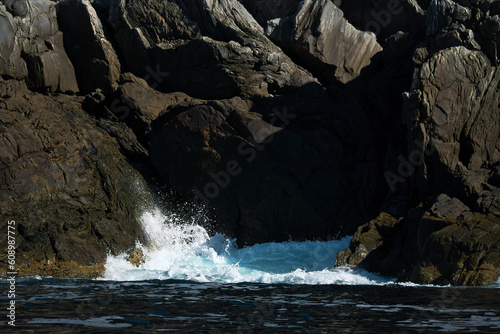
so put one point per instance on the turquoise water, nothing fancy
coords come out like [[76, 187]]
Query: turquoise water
[[187, 252]]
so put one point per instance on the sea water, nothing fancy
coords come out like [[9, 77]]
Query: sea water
[[191, 281], [185, 251]]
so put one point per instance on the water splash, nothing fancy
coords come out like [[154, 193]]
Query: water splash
[[184, 250]]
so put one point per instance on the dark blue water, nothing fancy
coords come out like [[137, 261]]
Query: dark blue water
[[45, 305], [189, 281]]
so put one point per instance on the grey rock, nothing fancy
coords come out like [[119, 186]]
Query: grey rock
[[452, 112], [441, 13], [233, 52], [32, 49], [17, 7], [319, 33], [447, 207]]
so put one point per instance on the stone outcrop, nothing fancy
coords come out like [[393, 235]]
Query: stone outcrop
[[452, 120], [445, 244], [452, 110], [320, 36], [32, 46], [202, 41], [65, 182]]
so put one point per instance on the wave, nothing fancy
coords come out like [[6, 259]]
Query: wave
[[185, 251]]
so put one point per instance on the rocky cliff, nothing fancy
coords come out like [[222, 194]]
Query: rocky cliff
[[302, 119]]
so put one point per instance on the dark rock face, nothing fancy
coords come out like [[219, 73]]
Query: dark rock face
[[452, 122], [65, 182], [446, 244], [96, 62], [257, 162], [453, 109]]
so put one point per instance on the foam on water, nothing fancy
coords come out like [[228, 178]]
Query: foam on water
[[186, 251]]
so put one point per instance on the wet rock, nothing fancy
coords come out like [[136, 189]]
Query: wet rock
[[321, 37], [370, 239], [463, 253], [64, 180], [445, 244]]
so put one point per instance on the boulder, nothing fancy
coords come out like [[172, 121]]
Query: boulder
[[463, 253], [443, 244], [321, 37], [370, 246], [442, 13], [453, 122], [32, 47], [65, 182]]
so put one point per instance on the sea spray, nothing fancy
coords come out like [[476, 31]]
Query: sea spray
[[183, 250]]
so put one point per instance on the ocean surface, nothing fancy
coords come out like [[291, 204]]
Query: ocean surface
[[190, 281]]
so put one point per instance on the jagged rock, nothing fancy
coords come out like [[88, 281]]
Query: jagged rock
[[447, 207], [464, 253], [95, 60], [202, 41], [32, 47], [271, 170], [453, 113], [320, 36], [441, 13], [137, 104], [63, 179], [372, 238], [428, 247]]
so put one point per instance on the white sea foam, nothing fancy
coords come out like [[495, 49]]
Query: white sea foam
[[185, 251]]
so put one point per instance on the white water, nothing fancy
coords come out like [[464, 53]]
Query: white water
[[185, 251]]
